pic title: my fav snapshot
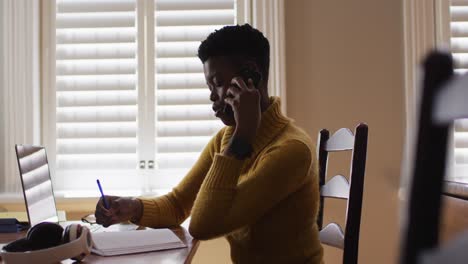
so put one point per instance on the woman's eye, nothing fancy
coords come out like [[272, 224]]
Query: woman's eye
[[217, 82]]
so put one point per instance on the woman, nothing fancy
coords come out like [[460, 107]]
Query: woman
[[256, 182]]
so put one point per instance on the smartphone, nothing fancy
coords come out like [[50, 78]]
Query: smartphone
[[247, 74]]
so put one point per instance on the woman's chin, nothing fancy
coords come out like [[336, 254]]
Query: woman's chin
[[228, 121]]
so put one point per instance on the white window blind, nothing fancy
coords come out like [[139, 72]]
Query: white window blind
[[185, 121], [459, 48], [106, 87], [96, 92]]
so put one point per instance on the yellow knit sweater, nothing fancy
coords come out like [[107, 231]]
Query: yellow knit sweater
[[266, 206]]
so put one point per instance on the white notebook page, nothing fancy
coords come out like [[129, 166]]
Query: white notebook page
[[111, 243]]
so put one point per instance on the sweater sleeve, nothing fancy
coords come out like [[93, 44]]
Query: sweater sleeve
[[223, 205], [173, 208]]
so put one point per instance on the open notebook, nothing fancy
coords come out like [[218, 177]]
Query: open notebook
[[136, 241]]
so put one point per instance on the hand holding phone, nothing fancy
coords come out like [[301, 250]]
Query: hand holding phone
[[247, 74]]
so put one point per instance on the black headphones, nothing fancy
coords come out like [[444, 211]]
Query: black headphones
[[48, 242]]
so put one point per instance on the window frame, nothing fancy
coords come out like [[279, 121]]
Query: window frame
[[151, 180], [36, 19]]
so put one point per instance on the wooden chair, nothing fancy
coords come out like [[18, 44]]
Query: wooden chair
[[421, 230], [339, 187]]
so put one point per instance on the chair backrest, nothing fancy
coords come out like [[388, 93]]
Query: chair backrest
[[338, 187], [422, 219]]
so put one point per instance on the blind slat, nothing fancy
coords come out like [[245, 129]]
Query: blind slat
[[95, 82], [99, 98], [461, 139], [176, 160], [97, 114], [95, 35], [459, 45], [178, 144], [460, 59], [458, 2], [461, 125], [459, 13], [80, 6], [96, 130], [177, 49], [461, 156], [98, 67], [194, 17], [181, 80], [461, 172], [182, 113], [96, 161], [97, 146], [461, 71], [95, 20], [96, 51], [184, 33], [179, 65], [188, 128], [183, 97], [193, 5]]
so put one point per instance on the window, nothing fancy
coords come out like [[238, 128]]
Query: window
[[457, 38], [427, 25], [125, 95]]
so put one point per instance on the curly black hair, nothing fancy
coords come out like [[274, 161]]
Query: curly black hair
[[242, 41]]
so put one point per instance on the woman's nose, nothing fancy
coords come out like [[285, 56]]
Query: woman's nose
[[214, 95]]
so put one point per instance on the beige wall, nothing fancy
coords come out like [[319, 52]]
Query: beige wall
[[345, 65]]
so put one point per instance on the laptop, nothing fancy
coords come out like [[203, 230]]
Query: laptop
[[38, 192]]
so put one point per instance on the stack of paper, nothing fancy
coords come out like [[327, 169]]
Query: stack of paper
[[127, 242]]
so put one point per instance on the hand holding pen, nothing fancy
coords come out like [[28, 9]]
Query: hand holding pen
[[103, 197], [115, 209]]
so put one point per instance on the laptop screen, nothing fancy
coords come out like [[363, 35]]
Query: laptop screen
[[37, 185]]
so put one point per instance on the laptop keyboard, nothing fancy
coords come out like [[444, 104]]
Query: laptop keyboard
[[112, 228], [96, 228]]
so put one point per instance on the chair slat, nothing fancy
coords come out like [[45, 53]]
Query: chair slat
[[336, 187], [343, 139], [332, 235]]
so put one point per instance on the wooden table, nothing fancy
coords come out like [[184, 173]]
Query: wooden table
[[182, 255], [454, 212]]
